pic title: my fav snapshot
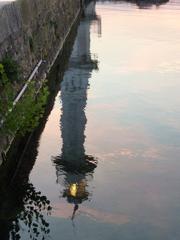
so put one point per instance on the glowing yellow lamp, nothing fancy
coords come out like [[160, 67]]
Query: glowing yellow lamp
[[73, 189]]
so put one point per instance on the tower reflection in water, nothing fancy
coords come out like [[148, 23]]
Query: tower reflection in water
[[74, 168]]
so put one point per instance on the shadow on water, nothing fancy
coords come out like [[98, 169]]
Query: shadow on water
[[74, 168], [22, 207]]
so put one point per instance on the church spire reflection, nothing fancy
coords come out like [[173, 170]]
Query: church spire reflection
[[74, 168]]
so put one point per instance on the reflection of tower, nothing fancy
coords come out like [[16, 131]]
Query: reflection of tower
[[74, 167], [74, 96]]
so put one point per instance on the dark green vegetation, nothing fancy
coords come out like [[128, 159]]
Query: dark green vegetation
[[9, 70], [24, 116], [7, 92]]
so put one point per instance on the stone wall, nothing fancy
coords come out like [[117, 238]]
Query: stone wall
[[32, 30]]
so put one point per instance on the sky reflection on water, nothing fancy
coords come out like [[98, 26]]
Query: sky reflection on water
[[125, 114]]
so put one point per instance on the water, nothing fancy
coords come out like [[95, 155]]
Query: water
[[108, 156]]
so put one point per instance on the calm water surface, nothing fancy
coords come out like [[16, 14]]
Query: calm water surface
[[108, 158]]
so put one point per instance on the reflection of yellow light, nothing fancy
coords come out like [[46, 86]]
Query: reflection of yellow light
[[73, 189]]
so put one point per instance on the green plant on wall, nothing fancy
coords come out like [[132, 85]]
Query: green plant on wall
[[3, 76], [26, 114], [7, 92], [11, 69]]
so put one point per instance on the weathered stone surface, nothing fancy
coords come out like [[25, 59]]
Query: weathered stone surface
[[32, 30]]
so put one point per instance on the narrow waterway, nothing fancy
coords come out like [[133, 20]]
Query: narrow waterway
[[108, 159]]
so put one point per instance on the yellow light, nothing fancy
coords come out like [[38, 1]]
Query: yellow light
[[73, 189]]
